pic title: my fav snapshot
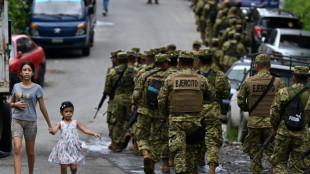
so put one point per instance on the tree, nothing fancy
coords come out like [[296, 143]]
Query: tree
[[301, 8]]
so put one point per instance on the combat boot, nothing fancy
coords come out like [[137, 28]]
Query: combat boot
[[126, 139], [156, 2], [134, 148], [113, 145], [171, 161], [147, 162], [118, 147], [166, 168], [149, 1], [212, 168]]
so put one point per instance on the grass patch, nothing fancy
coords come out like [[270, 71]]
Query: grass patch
[[232, 133]]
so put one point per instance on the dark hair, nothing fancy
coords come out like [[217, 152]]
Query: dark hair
[[64, 105], [186, 61], [131, 58], [263, 64], [32, 68], [122, 61], [173, 62], [151, 58], [301, 78], [158, 64], [205, 60]]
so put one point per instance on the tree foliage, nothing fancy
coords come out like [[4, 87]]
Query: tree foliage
[[19, 14], [301, 8]]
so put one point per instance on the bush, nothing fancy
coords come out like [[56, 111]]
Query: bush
[[301, 8], [19, 14]]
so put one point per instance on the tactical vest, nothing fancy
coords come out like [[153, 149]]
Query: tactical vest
[[232, 50], [162, 77], [126, 83], [257, 86], [186, 95]]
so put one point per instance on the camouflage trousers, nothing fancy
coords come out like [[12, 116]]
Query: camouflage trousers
[[193, 155], [146, 139], [213, 138], [252, 145], [208, 33], [228, 61], [289, 147], [121, 114], [202, 28], [177, 142]]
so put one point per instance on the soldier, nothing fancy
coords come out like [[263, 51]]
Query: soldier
[[210, 12], [259, 127], [212, 109], [232, 51], [150, 145], [200, 20], [218, 55], [196, 47], [220, 21], [290, 143], [110, 116], [119, 87], [181, 99], [171, 47], [244, 36], [150, 2]]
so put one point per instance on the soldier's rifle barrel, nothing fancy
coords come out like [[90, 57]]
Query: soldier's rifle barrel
[[132, 120], [100, 104], [306, 153], [264, 146]]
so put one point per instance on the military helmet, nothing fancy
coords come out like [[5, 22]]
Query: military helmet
[[301, 70], [135, 49], [205, 53], [262, 58], [114, 53], [121, 55], [186, 55], [161, 58]]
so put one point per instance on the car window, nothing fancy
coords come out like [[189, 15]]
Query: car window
[[235, 75], [25, 45], [29, 45], [294, 41], [286, 75], [275, 22], [69, 7]]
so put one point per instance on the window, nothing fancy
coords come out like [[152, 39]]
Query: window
[[25, 45], [272, 37], [274, 22], [59, 7], [295, 41]]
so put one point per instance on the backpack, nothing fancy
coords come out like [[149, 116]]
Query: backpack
[[213, 12], [152, 93], [153, 90], [295, 118]]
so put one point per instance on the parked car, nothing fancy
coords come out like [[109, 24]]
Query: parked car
[[235, 77], [287, 44], [263, 20], [259, 3], [24, 49], [63, 24], [238, 118]]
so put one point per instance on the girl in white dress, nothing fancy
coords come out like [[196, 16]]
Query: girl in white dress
[[69, 151]]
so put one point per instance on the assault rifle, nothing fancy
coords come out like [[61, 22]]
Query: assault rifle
[[306, 153], [132, 120], [160, 127], [100, 104], [264, 146]]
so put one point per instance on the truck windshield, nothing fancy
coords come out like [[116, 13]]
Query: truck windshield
[[58, 7]]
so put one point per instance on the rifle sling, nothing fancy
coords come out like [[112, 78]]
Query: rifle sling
[[206, 75], [262, 96], [117, 81]]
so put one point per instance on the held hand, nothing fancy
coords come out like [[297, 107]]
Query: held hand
[[133, 108], [52, 131], [97, 135], [274, 132], [21, 105]]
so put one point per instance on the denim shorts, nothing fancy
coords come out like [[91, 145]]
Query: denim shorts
[[22, 128]]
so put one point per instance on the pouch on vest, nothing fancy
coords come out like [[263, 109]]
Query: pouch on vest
[[295, 118], [152, 93]]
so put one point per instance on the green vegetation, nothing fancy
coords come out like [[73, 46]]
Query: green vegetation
[[301, 8], [19, 14], [232, 133]]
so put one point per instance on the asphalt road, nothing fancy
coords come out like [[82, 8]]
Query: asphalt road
[[70, 76]]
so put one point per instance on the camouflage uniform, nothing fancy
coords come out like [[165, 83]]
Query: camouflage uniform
[[232, 50], [200, 20], [182, 123], [289, 144], [121, 96], [149, 119], [211, 7], [212, 109], [259, 127]]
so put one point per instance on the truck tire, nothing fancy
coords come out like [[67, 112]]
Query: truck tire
[[6, 138], [41, 74], [86, 50]]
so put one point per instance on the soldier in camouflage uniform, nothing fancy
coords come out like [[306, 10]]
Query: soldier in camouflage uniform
[[232, 50], [288, 143], [110, 118], [209, 12], [244, 36], [212, 109], [119, 87], [171, 47], [149, 119], [200, 20], [259, 127], [218, 55], [181, 99]]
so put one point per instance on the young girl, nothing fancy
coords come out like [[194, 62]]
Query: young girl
[[69, 151], [25, 96]]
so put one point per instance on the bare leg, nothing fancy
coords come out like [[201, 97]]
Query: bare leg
[[73, 168], [63, 168], [17, 154], [30, 155]]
